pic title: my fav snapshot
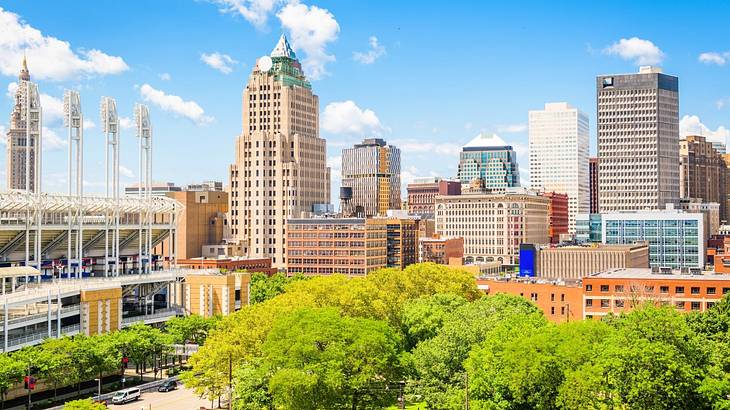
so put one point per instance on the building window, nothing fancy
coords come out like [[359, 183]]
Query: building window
[[663, 289], [552, 310], [562, 297], [695, 305], [710, 304], [552, 297], [725, 291], [619, 288], [619, 303], [562, 310], [605, 303], [679, 305], [649, 289], [679, 289], [711, 291], [589, 288], [604, 288], [589, 302], [695, 290]]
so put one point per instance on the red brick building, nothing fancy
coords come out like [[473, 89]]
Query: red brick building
[[560, 302], [441, 250], [558, 213], [422, 194], [593, 183], [262, 265]]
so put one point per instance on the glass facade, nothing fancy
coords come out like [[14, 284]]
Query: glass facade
[[674, 243], [497, 166], [588, 228]]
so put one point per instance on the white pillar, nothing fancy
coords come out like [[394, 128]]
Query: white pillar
[[50, 331], [58, 314], [5, 326]]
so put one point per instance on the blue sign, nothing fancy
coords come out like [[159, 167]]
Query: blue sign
[[527, 260]]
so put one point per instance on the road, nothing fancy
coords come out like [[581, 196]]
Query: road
[[180, 399]]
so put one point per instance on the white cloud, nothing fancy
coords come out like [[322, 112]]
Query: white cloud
[[125, 172], [376, 51], [165, 77], [335, 165], [414, 146], [345, 117], [3, 135], [175, 104], [691, 125], [221, 62], [52, 108], [88, 124], [126, 123], [255, 12], [48, 57], [512, 128], [640, 51], [311, 29], [468, 125], [12, 88], [714, 58], [51, 140], [722, 102]]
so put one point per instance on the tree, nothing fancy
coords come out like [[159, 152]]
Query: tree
[[265, 287], [320, 359], [60, 370], [190, 329], [93, 356], [11, 372], [140, 343], [86, 404], [422, 318]]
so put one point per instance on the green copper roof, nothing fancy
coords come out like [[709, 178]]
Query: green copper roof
[[289, 72]]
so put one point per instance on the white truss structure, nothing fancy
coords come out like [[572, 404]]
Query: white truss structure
[[33, 136], [110, 125], [144, 189], [73, 119]]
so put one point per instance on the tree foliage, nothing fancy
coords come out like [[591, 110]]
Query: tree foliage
[[86, 404]]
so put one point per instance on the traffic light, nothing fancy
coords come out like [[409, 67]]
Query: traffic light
[[125, 362], [29, 382]]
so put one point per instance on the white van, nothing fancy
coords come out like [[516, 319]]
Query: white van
[[125, 396]]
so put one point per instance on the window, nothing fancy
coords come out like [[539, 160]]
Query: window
[[679, 289], [604, 288], [552, 297], [649, 289], [695, 305], [589, 302], [710, 304], [663, 289], [552, 310], [679, 305], [562, 297], [725, 291], [619, 288], [562, 310], [619, 303], [605, 303], [589, 288], [695, 290], [711, 291]]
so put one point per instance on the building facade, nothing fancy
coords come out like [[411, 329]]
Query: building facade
[[676, 239], [422, 194], [593, 172], [402, 245], [441, 250], [703, 172], [491, 160], [17, 135], [280, 170], [710, 211], [323, 246], [559, 146], [559, 215], [372, 170], [638, 140], [559, 301], [620, 290], [493, 225], [575, 262]]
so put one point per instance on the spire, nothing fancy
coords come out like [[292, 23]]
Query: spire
[[24, 73], [283, 49]]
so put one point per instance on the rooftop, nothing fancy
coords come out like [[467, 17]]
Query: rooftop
[[283, 49], [486, 141], [654, 274]]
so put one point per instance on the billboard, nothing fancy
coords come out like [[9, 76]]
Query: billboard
[[528, 266]]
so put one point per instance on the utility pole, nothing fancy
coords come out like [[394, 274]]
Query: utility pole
[[401, 399], [466, 389], [230, 381]]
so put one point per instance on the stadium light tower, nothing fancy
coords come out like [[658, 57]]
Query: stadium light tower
[[144, 133], [33, 136], [110, 124], [73, 119]]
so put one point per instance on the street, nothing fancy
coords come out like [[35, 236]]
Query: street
[[180, 399]]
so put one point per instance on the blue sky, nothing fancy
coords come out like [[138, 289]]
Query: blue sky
[[427, 76]]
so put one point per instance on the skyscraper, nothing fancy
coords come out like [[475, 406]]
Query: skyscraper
[[703, 172], [593, 172], [490, 159], [280, 170], [372, 170], [638, 140], [559, 145], [17, 135]]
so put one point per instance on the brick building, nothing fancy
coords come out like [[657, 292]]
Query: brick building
[[422, 193], [560, 302], [441, 250], [558, 214]]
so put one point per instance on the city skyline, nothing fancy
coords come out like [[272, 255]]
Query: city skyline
[[209, 71]]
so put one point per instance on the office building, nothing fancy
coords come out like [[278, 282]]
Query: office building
[[372, 170], [710, 212], [441, 250], [17, 135], [156, 189], [558, 212], [593, 172], [638, 140], [559, 144], [323, 246], [620, 290], [720, 147], [494, 225], [205, 186], [422, 194], [280, 171], [575, 261], [676, 238], [559, 301], [402, 234], [490, 160], [703, 172], [588, 228]]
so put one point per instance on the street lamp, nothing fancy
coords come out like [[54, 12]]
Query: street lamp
[[98, 394]]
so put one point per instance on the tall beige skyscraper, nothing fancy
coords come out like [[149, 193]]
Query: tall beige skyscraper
[[281, 163], [16, 137], [638, 140]]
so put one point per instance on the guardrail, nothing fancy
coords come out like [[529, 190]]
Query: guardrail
[[159, 314], [42, 315], [20, 341]]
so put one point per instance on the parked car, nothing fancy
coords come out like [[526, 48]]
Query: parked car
[[125, 396], [167, 385]]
